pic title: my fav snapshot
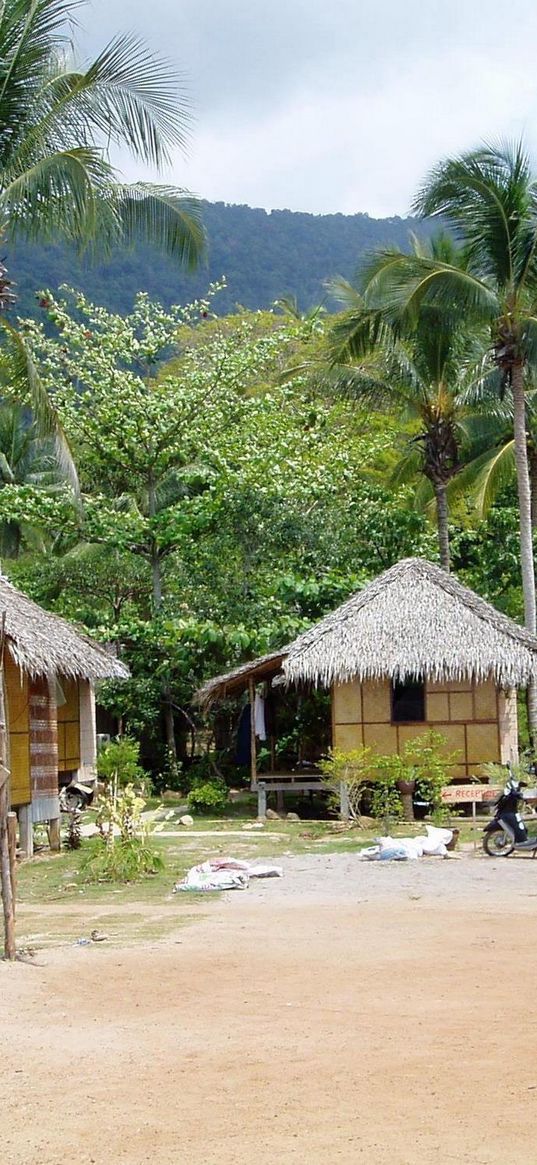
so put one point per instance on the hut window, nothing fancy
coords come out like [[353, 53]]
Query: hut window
[[408, 702]]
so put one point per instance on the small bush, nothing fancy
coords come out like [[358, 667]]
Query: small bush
[[127, 860], [208, 797], [119, 762], [351, 769]]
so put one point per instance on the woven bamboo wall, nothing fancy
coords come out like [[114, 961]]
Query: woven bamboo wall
[[465, 713], [43, 747]]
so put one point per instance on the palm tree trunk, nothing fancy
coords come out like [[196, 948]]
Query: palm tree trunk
[[526, 531], [532, 468], [442, 515]]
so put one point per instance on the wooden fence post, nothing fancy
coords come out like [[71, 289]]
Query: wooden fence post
[[5, 869], [12, 845]]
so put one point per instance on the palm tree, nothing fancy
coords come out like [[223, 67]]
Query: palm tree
[[422, 366], [489, 197], [58, 123], [26, 458]]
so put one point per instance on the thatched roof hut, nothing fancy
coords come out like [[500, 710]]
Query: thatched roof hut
[[414, 621], [232, 683], [42, 644]]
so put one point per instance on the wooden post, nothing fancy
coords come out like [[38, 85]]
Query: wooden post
[[26, 831], [261, 799], [253, 756], [344, 810], [54, 834], [5, 870], [12, 845]]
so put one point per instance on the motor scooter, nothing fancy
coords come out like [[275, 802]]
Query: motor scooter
[[506, 832]]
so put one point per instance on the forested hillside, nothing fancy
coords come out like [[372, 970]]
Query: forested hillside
[[262, 255]]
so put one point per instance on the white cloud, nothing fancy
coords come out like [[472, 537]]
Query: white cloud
[[320, 108]]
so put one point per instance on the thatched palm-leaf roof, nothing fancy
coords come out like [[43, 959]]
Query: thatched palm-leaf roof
[[233, 682], [44, 644], [414, 621]]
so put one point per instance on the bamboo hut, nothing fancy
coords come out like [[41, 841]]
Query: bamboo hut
[[50, 670], [415, 649]]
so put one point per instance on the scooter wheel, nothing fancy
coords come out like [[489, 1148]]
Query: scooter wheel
[[498, 844]]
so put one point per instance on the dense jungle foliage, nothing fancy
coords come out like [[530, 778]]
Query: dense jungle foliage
[[226, 502]]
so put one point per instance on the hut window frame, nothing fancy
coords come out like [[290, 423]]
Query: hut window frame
[[408, 702]]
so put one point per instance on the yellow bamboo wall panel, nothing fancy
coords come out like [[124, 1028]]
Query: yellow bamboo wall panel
[[485, 702], [381, 737], [72, 744], [70, 710], [377, 703], [347, 737], [461, 705], [69, 727], [455, 772], [483, 745], [347, 703], [17, 697], [20, 786], [437, 706], [454, 735]]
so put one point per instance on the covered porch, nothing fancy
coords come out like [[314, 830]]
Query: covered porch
[[261, 681]]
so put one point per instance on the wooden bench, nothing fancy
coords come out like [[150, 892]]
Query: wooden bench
[[296, 782]]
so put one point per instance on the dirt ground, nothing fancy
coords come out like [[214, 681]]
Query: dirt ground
[[348, 1012]]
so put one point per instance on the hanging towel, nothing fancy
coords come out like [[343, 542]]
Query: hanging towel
[[259, 718]]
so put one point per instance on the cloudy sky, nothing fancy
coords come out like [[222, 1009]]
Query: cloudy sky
[[329, 106]]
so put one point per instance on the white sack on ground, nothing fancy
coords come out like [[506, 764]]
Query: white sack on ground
[[400, 849], [225, 874]]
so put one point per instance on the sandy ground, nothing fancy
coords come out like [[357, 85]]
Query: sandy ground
[[346, 1013]]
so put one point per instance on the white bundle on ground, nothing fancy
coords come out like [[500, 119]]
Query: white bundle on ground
[[225, 874], [401, 849]]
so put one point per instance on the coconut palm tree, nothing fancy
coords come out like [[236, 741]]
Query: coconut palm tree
[[489, 196], [59, 121], [423, 366]]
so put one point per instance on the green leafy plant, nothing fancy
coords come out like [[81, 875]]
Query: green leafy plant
[[208, 796], [127, 857], [353, 771], [423, 764], [118, 762], [128, 860]]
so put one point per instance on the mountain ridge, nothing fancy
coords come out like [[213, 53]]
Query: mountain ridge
[[264, 255]]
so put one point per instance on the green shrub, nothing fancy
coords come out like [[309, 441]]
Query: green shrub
[[128, 860], [119, 762], [208, 797], [351, 769]]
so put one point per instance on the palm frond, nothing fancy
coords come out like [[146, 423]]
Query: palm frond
[[133, 96], [167, 217], [483, 478], [26, 385]]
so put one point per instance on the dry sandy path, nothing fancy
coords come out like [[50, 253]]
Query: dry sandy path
[[347, 1013]]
